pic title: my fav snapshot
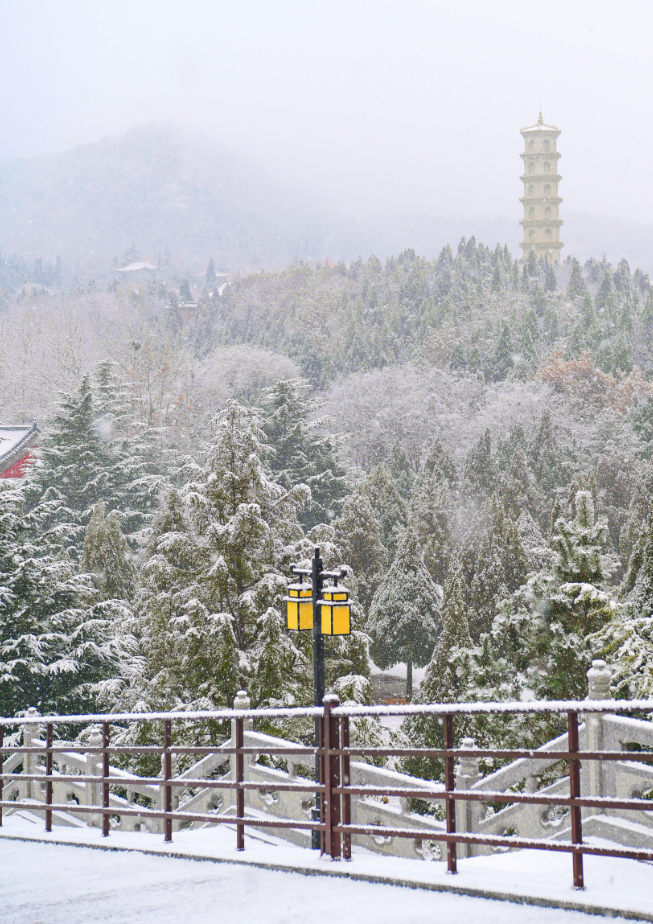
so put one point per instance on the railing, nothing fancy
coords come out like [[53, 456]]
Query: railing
[[334, 787]]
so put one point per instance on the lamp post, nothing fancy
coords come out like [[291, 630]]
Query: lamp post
[[325, 610]]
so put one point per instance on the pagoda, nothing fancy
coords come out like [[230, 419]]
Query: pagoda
[[541, 221]]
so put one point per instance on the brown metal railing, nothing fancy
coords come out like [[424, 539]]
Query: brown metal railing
[[336, 789]]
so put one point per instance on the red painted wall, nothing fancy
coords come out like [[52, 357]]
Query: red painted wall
[[17, 470]]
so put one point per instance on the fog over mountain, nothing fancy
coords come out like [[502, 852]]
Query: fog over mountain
[[171, 194], [167, 192]]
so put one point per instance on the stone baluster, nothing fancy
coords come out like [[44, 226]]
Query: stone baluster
[[30, 764], [598, 777], [468, 814], [93, 791], [242, 701]]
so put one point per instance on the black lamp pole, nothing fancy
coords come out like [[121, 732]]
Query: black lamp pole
[[317, 577], [318, 680]]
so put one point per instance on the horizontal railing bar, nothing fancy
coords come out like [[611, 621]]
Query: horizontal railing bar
[[217, 715], [475, 795], [584, 707], [174, 815], [639, 756], [491, 840], [272, 786], [66, 748]]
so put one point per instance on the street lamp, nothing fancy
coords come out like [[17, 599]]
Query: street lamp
[[327, 611]]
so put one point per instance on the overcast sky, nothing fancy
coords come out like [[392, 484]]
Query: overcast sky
[[411, 106]]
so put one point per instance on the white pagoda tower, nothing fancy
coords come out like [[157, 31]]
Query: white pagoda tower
[[541, 221]]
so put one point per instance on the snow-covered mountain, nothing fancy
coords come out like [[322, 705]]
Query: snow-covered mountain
[[166, 192]]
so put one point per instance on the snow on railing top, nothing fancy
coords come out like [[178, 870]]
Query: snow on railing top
[[551, 706], [217, 714]]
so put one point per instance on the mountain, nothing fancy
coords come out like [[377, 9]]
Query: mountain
[[165, 192], [161, 193]]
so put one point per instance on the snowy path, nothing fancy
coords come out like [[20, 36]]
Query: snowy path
[[54, 884]]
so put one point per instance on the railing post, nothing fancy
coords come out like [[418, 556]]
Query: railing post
[[599, 677], [167, 775], [449, 786], [574, 791], [240, 776], [467, 813], [331, 800], [105, 779], [29, 763], [241, 701], [346, 780], [48, 777], [93, 791], [2, 769]]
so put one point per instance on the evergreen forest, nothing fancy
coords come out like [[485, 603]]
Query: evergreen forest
[[470, 437]]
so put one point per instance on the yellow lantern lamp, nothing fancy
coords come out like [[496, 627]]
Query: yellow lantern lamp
[[299, 606], [335, 611]]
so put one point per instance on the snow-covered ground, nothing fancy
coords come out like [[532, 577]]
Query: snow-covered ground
[[55, 883], [42, 883]]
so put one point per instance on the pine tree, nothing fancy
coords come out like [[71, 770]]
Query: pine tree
[[243, 519], [277, 666], [544, 456], [105, 554], [60, 649], [570, 604], [576, 287], [136, 474], [210, 273], [501, 361], [404, 616], [480, 475], [550, 282], [499, 566], [519, 490], [401, 470], [387, 504], [73, 473], [431, 513], [446, 679], [302, 450], [359, 533]]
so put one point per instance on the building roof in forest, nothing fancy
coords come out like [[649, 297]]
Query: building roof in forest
[[15, 443]]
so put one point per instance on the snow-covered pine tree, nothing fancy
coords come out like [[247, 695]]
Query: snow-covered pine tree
[[245, 522], [388, 505], [60, 649], [106, 556], [544, 456], [446, 675], [190, 649], [569, 605], [359, 535], [497, 564], [404, 619], [519, 491], [446, 679], [278, 668], [481, 477], [401, 470], [431, 513], [138, 471], [72, 474], [303, 452]]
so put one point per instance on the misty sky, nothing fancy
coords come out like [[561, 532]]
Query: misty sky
[[375, 106]]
